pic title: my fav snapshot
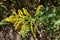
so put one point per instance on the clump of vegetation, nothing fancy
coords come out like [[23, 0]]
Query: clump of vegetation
[[50, 20], [26, 18]]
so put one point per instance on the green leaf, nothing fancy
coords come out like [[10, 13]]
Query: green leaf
[[1, 23]]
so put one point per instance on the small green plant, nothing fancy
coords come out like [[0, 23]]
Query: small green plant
[[49, 19]]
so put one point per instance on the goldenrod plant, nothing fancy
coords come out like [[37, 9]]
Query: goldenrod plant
[[24, 21], [27, 23]]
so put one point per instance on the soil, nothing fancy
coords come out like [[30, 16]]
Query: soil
[[8, 33]]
